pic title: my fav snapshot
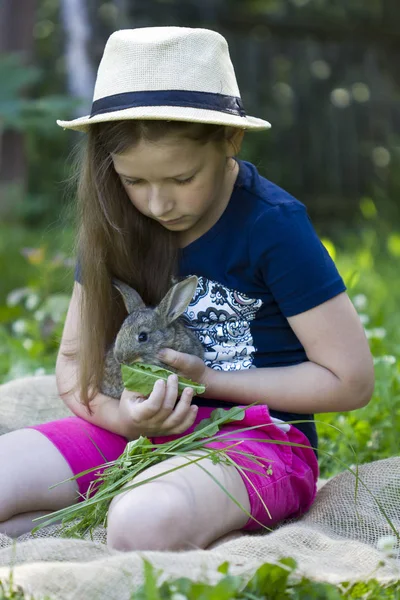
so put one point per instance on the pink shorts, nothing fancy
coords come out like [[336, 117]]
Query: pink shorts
[[285, 476]]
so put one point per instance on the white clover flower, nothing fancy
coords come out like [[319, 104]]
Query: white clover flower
[[360, 301], [32, 301], [19, 326], [386, 544], [386, 359], [40, 371], [378, 333], [364, 319], [27, 344], [39, 315], [18, 370], [14, 297]]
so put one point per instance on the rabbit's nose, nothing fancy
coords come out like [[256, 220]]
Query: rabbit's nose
[[128, 359], [135, 358]]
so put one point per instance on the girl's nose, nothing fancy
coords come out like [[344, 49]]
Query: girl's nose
[[159, 205]]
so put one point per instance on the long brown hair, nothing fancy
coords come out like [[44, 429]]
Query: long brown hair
[[114, 239]]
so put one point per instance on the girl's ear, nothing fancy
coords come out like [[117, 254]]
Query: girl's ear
[[234, 139], [176, 301], [131, 298]]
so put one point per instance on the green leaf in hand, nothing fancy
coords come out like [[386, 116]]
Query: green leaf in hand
[[234, 414], [140, 377]]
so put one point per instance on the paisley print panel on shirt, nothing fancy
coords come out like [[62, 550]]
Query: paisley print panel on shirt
[[221, 317]]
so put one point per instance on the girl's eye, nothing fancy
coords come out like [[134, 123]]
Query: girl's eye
[[183, 181], [178, 181], [142, 337]]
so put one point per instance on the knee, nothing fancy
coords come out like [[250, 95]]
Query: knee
[[143, 520]]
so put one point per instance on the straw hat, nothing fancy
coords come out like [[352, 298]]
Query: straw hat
[[169, 73]]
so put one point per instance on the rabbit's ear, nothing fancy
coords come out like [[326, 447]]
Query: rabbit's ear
[[131, 298], [177, 299]]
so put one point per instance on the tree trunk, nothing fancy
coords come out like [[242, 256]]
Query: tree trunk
[[16, 26], [77, 35]]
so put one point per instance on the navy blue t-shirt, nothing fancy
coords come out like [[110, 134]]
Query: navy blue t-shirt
[[260, 263]]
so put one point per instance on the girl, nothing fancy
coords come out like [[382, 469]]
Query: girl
[[161, 194]]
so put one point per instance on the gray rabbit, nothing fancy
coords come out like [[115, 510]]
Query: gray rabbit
[[146, 331]]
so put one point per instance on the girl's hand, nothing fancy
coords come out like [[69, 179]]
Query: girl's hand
[[187, 365], [157, 415]]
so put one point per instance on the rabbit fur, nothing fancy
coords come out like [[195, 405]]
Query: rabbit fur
[[146, 330]]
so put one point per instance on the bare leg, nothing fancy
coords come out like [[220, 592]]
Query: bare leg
[[182, 510], [29, 465], [22, 523]]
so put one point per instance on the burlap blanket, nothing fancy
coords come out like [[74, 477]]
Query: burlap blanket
[[338, 539]]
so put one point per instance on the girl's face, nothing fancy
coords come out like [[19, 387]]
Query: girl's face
[[176, 181]]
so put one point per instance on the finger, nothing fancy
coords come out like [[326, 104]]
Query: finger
[[147, 408], [171, 395], [169, 400], [181, 412], [187, 422], [179, 361]]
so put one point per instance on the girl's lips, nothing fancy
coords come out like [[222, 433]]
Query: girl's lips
[[172, 221]]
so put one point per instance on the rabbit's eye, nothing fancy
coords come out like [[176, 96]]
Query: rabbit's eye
[[142, 337]]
